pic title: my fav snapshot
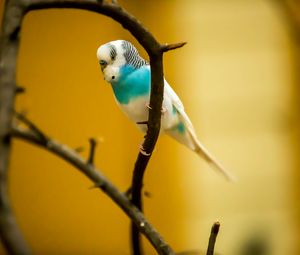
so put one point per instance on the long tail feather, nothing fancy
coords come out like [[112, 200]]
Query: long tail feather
[[203, 153]]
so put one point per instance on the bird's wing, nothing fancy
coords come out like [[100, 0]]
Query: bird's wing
[[176, 102], [198, 147]]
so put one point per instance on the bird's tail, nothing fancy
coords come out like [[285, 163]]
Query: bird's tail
[[203, 153]]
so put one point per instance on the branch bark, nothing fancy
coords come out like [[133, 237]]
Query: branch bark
[[212, 239], [10, 233], [14, 13]]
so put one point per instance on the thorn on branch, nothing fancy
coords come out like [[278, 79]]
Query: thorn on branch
[[22, 118], [173, 46], [98, 186], [212, 239], [93, 144], [79, 149], [20, 90], [128, 193], [142, 122], [147, 194], [6, 139]]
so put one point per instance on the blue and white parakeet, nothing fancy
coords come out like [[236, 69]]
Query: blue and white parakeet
[[130, 77]]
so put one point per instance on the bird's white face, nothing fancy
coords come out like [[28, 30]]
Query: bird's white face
[[111, 59]]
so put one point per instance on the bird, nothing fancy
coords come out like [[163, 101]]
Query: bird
[[130, 78]]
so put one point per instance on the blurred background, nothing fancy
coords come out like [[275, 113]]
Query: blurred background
[[238, 77]]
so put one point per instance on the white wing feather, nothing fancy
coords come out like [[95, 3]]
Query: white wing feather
[[192, 137]]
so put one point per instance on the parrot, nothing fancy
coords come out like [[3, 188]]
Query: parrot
[[130, 78]]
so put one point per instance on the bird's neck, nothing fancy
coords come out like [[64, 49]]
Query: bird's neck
[[132, 83]]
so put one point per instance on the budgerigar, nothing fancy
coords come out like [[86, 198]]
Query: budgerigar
[[129, 75]]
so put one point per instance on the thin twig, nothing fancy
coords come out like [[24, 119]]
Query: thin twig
[[212, 239], [93, 144], [20, 90], [94, 174], [173, 46], [21, 117]]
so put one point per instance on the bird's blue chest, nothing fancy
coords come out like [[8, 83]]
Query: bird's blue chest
[[132, 83]]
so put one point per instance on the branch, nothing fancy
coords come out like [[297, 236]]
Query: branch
[[212, 239], [10, 233], [90, 171]]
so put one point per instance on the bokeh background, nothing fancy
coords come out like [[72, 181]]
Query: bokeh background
[[238, 77]]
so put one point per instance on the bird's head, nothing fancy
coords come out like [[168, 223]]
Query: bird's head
[[115, 56]]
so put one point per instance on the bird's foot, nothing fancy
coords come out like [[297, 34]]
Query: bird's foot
[[142, 150], [148, 106], [163, 109]]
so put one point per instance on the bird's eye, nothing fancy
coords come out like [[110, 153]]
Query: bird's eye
[[103, 62]]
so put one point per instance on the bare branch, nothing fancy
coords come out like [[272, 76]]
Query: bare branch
[[10, 233], [100, 181], [212, 239]]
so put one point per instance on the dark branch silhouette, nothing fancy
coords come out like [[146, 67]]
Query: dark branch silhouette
[[212, 239], [93, 144]]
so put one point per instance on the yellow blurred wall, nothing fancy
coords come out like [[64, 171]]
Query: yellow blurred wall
[[235, 78]]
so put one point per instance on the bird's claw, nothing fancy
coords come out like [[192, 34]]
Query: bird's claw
[[163, 109], [148, 106], [142, 151]]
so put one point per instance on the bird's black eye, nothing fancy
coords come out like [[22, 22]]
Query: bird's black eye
[[102, 62]]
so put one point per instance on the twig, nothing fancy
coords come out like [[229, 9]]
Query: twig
[[93, 144], [21, 117], [212, 239], [20, 90], [173, 46]]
